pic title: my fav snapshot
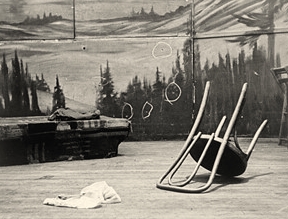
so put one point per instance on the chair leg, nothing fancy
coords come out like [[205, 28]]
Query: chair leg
[[179, 188], [190, 178], [228, 131], [255, 138], [189, 138], [220, 126], [182, 158]]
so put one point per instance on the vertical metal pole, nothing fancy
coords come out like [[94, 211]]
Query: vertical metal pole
[[271, 35], [192, 33], [74, 21]]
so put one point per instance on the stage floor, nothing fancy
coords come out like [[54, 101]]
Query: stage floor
[[261, 192]]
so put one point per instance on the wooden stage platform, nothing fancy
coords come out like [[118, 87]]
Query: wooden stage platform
[[26, 140], [261, 192]]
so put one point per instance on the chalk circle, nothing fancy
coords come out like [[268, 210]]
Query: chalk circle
[[162, 50], [127, 107], [172, 92], [147, 110]]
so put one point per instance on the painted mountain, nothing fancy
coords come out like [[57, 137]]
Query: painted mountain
[[210, 16], [59, 27], [140, 22], [214, 16], [54, 27]]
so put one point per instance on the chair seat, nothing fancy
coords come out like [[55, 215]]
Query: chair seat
[[233, 161]]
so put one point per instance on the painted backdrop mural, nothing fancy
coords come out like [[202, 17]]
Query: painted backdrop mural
[[133, 18], [142, 62], [34, 19], [56, 19]]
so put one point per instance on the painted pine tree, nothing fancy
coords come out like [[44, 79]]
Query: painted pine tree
[[108, 106], [35, 110], [16, 88], [25, 93], [58, 96], [5, 85]]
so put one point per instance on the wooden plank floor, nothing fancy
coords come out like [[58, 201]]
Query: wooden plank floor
[[261, 192]]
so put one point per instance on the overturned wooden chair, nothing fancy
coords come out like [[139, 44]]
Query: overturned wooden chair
[[218, 155]]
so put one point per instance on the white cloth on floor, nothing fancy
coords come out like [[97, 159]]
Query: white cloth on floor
[[90, 197]]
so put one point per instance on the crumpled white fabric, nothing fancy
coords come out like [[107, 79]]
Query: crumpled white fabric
[[90, 197]]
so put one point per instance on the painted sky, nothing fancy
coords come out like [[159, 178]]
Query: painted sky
[[18, 10]]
